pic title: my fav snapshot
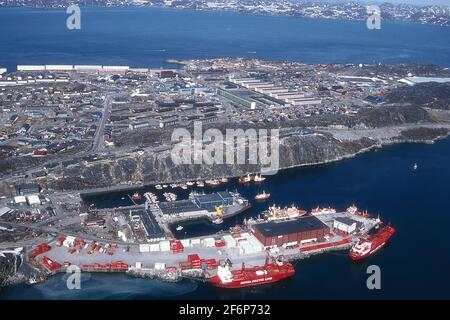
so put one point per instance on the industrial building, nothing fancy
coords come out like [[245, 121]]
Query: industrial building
[[210, 201], [305, 229]]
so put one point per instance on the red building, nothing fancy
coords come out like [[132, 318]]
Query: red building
[[278, 233]]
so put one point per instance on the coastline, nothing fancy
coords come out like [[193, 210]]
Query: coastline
[[102, 191], [224, 10]]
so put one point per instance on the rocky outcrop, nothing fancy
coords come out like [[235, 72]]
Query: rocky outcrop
[[146, 168], [430, 94]]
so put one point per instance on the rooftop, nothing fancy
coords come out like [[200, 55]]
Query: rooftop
[[308, 223]]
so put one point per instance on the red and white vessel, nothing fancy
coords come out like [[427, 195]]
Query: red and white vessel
[[318, 211], [278, 213], [367, 246], [245, 277]]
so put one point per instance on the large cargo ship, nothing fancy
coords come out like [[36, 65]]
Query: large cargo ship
[[245, 277], [367, 246]]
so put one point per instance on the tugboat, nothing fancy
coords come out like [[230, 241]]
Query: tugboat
[[262, 196], [245, 277], [368, 246]]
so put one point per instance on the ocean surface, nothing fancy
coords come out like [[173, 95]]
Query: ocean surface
[[142, 37], [415, 264]]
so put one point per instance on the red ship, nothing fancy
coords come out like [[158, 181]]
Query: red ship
[[367, 246], [245, 277]]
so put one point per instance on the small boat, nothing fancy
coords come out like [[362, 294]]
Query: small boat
[[136, 196], [262, 196], [190, 183], [158, 187], [246, 179], [259, 178], [223, 180], [352, 209], [212, 182], [173, 185], [200, 184], [182, 186], [179, 228], [165, 186], [217, 220], [415, 166]]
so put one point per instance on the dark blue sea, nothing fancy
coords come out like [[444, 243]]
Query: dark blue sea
[[415, 264], [142, 37]]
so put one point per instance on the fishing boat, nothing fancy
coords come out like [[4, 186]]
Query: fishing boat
[[262, 196], [246, 179], [259, 178], [200, 184]]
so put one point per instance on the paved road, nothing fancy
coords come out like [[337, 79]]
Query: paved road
[[57, 231]]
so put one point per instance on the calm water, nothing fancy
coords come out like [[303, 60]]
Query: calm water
[[414, 265], [147, 37]]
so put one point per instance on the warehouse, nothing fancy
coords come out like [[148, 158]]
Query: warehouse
[[345, 224], [210, 201], [290, 232]]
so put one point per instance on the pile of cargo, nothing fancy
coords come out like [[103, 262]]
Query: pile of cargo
[[194, 262], [176, 246], [40, 249], [50, 264]]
